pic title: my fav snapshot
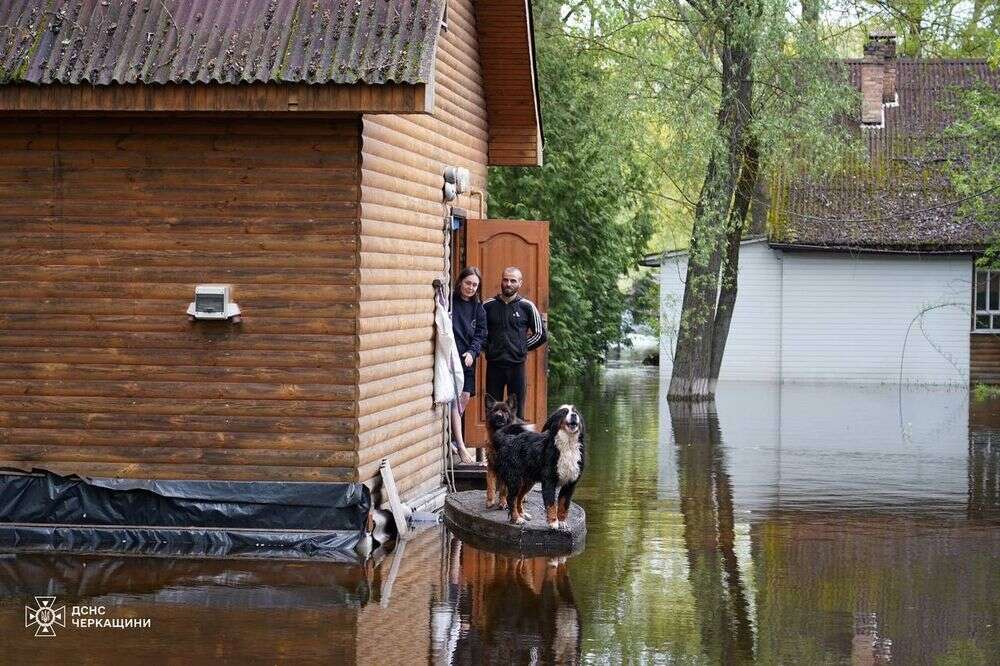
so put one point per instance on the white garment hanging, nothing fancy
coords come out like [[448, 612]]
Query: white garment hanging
[[449, 376]]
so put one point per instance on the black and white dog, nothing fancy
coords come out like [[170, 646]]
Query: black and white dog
[[554, 456]]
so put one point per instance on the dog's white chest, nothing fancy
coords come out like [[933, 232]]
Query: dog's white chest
[[568, 467]]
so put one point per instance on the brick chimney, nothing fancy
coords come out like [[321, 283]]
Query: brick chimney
[[886, 39], [878, 76]]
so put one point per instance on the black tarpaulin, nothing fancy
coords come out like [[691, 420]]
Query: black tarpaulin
[[45, 511]]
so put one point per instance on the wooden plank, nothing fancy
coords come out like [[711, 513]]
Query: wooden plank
[[175, 258], [423, 436], [335, 328], [142, 470], [245, 227], [305, 294], [289, 209], [320, 415], [194, 361], [224, 340], [68, 437], [346, 277], [114, 371], [187, 423], [135, 306], [192, 397], [168, 126]]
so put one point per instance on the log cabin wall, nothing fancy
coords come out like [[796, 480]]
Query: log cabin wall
[[402, 251], [984, 358], [108, 224]]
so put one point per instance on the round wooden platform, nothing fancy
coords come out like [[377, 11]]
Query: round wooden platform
[[466, 515]]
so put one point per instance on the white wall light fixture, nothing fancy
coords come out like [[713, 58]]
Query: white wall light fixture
[[459, 177], [213, 302]]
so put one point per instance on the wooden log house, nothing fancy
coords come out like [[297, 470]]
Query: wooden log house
[[292, 149]]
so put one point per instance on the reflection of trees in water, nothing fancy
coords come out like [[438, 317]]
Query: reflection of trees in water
[[507, 610], [984, 474], [625, 611], [709, 536]]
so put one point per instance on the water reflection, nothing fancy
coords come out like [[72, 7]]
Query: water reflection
[[199, 610], [858, 503], [432, 599], [706, 501], [779, 525], [788, 525], [500, 609], [984, 473], [984, 461]]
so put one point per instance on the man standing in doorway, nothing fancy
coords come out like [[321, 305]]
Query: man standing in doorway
[[514, 327]]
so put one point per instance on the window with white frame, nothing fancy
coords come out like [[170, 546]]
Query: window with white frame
[[987, 316]]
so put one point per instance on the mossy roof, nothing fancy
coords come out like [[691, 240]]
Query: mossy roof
[[898, 195], [107, 42]]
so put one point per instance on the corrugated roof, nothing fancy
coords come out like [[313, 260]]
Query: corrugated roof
[[883, 201], [104, 42]]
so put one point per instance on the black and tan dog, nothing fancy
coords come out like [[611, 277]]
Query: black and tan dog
[[554, 457], [499, 414]]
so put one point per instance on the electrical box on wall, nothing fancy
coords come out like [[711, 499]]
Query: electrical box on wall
[[214, 302]]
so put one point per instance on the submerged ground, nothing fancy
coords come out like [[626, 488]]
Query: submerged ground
[[779, 525]]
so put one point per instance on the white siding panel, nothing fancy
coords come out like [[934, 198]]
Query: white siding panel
[[672, 272], [827, 316], [846, 318], [752, 349], [754, 346]]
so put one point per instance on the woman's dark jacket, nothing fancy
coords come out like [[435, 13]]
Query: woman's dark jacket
[[468, 320]]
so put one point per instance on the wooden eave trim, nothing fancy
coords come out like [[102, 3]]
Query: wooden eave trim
[[219, 98], [534, 77], [500, 153]]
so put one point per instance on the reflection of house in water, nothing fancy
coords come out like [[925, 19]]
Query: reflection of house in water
[[858, 446], [240, 610], [984, 473], [198, 608], [984, 461], [857, 501], [930, 584], [423, 603]]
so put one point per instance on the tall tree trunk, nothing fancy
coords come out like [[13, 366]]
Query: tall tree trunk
[[692, 370], [810, 13], [693, 358], [747, 185]]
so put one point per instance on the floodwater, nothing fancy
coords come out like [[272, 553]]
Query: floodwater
[[828, 524]]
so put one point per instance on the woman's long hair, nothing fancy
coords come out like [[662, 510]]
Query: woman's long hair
[[466, 272]]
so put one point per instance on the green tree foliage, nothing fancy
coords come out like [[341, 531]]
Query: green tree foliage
[[928, 28], [644, 300], [740, 90], [595, 190], [976, 174]]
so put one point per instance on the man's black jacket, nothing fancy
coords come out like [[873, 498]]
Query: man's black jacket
[[513, 329]]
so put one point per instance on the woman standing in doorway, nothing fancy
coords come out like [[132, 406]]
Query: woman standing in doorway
[[469, 324]]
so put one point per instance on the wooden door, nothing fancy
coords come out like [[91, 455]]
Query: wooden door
[[492, 245]]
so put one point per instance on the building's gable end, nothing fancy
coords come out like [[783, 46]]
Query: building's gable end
[[507, 52]]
